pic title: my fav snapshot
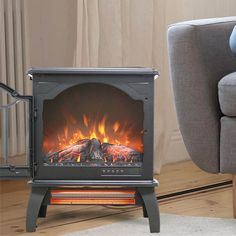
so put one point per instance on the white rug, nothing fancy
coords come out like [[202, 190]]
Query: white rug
[[171, 225]]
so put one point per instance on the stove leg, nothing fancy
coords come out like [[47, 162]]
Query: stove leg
[[151, 205], [42, 211], [35, 201], [145, 215]]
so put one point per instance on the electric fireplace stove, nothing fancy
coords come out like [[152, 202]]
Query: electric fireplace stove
[[90, 139]]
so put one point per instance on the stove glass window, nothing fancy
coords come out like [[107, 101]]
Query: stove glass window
[[93, 125]]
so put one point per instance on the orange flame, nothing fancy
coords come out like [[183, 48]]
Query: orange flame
[[85, 119], [101, 126], [116, 126], [103, 130]]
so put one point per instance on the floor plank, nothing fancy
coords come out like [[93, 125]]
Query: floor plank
[[186, 175], [217, 203], [64, 219], [70, 219]]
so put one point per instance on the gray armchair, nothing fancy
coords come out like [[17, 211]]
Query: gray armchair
[[203, 73]]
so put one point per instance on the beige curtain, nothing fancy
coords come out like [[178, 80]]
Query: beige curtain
[[124, 33], [13, 64]]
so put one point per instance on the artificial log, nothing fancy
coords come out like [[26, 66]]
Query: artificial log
[[96, 153], [91, 150], [121, 153], [72, 152]]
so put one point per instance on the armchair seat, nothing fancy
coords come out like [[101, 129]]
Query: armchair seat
[[227, 94], [228, 145]]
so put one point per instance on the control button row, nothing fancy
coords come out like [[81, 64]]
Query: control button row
[[113, 171]]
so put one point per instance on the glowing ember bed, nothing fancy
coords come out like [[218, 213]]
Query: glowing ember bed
[[91, 139]]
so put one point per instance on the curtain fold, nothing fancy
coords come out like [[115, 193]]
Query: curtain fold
[[124, 33], [13, 63]]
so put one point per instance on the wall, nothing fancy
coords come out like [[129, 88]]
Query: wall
[[52, 32]]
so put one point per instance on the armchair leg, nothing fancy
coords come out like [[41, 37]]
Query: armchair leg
[[234, 194]]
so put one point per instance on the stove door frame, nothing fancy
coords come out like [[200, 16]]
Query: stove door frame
[[133, 85], [9, 171]]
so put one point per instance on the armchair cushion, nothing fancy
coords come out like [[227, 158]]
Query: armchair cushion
[[227, 94]]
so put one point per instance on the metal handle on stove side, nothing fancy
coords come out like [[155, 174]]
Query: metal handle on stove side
[[10, 90], [14, 93]]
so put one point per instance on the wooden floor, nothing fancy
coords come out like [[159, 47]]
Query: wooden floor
[[65, 219]]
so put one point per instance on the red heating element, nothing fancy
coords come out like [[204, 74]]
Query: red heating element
[[102, 197]]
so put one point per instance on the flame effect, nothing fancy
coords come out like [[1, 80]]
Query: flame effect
[[104, 130]]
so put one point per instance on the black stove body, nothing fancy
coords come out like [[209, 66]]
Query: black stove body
[[89, 127]]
